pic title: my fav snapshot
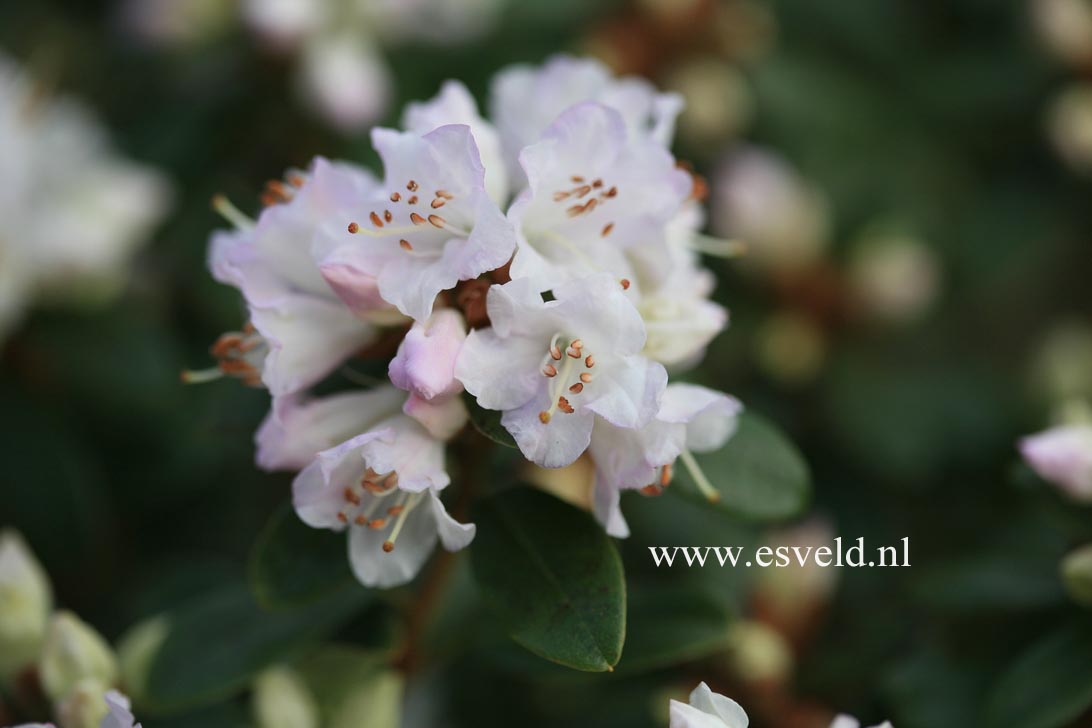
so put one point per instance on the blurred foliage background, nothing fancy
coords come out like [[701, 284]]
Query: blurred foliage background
[[917, 296]]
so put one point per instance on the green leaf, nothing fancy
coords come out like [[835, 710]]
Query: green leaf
[[293, 564], [215, 645], [487, 422], [759, 473], [1049, 685], [668, 626], [554, 576]]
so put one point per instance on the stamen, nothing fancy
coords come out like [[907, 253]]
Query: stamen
[[352, 496], [445, 194], [590, 361], [583, 190], [395, 197], [417, 219], [564, 406], [375, 220], [437, 203], [700, 480], [437, 221], [586, 378], [387, 215], [414, 499], [625, 284], [607, 228], [354, 228], [342, 517], [550, 370], [412, 186], [652, 490], [577, 180], [200, 376], [577, 388], [295, 180], [612, 192], [231, 213], [544, 417], [717, 247], [577, 344], [597, 183], [665, 475], [574, 353], [562, 195], [405, 244], [377, 523], [412, 200]]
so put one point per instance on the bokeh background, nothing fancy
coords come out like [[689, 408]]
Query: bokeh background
[[912, 180]]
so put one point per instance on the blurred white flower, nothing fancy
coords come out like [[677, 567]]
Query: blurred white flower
[[718, 102], [74, 653], [346, 77], [175, 22], [71, 211], [758, 653], [1069, 125], [1065, 27], [848, 721], [26, 600], [1076, 570], [707, 709], [282, 699], [1063, 456], [760, 199]]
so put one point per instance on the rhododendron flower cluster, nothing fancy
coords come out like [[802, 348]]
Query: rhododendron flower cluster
[[542, 260]]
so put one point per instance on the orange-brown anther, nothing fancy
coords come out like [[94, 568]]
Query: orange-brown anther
[[574, 353], [342, 517], [582, 190], [361, 520], [437, 203], [437, 221], [589, 362], [585, 378], [597, 183], [352, 496], [295, 180], [665, 475], [387, 216], [651, 490], [388, 547], [412, 186], [607, 228], [577, 344], [613, 191], [417, 219], [395, 196], [395, 510], [376, 220], [544, 417], [550, 370], [405, 244], [564, 406], [354, 228], [445, 194], [559, 196], [377, 523], [625, 284], [412, 200], [577, 388], [577, 180], [555, 352]]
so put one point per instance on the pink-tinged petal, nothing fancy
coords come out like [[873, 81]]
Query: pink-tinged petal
[[453, 535], [514, 306], [502, 373], [317, 490], [119, 715], [405, 447], [628, 393], [710, 417], [628, 459], [356, 288], [597, 308], [297, 429], [425, 362], [308, 338], [608, 510], [442, 417], [376, 567], [552, 444], [1063, 456]]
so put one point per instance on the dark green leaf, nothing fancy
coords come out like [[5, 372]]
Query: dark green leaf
[[215, 645], [1049, 685], [759, 473], [292, 563], [554, 576], [669, 626], [488, 422]]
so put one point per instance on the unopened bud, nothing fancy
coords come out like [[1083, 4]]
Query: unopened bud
[[281, 699], [84, 706], [1076, 570], [759, 653], [136, 651], [25, 603], [74, 653]]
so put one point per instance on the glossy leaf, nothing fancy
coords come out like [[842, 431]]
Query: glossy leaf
[[554, 576], [488, 422], [759, 473], [669, 624]]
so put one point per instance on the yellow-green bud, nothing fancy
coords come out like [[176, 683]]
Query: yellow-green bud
[[73, 653], [282, 700], [1077, 574], [758, 653], [84, 706], [25, 602]]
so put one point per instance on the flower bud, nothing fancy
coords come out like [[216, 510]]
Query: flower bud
[[1062, 456], [25, 602], [1076, 570], [136, 651], [893, 276], [759, 653], [84, 706], [1069, 125], [281, 699], [425, 362], [74, 653]]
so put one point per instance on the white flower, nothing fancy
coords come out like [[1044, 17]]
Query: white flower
[[26, 599], [346, 77], [455, 105], [848, 721], [305, 330], [690, 419], [425, 362], [71, 211], [594, 191], [525, 100], [707, 710], [431, 225], [553, 367], [1063, 456], [383, 486]]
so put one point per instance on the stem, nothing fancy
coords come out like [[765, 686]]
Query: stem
[[700, 480]]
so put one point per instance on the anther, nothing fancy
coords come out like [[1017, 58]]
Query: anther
[[417, 219], [544, 417], [388, 546], [412, 186], [607, 228], [597, 183], [361, 520], [651, 490], [555, 352], [564, 406], [613, 191], [625, 284], [445, 194], [352, 497], [589, 362], [376, 220], [438, 203], [387, 215], [585, 378], [559, 196], [295, 180], [354, 228], [577, 344], [574, 353], [550, 370], [665, 475], [395, 510], [405, 244], [577, 180], [395, 197], [377, 523], [437, 221], [583, 190], [412, 200], [342, 517], [577, 388]]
